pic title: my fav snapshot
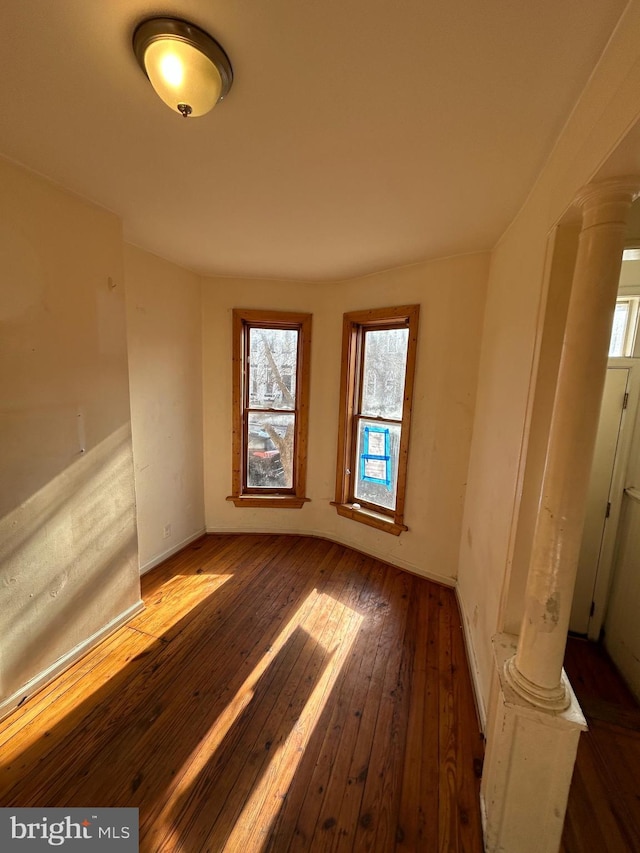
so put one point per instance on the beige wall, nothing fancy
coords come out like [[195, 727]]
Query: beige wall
[[164, 323], [68, 550], [451, 294], [513, 332]]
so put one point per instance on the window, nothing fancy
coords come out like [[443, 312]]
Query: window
[[270, 405], [378, 361], [623, 330]]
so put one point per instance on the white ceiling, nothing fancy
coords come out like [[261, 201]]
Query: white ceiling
[[359, 134]]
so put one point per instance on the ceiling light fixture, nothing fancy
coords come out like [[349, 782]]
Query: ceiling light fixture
[[188, 69]]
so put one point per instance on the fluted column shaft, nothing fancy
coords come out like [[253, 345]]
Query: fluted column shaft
[[535, 672]]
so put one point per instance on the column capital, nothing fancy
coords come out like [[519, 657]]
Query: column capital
[[625, 189]]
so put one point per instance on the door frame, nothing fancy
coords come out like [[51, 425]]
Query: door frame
[[604, 570]]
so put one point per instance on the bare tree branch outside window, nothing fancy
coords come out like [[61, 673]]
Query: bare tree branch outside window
[[273, 359]]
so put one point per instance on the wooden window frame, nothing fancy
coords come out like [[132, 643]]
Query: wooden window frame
[[355, 324], [294, 497]]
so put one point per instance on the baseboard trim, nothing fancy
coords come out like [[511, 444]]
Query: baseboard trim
[[151, 564], [473, 664], [394, 562], [8, 706]]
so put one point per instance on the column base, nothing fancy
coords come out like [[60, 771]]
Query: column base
[[555, 699], [528, 765]]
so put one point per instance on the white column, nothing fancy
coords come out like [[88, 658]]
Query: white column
[[534, 718], [535, 672]]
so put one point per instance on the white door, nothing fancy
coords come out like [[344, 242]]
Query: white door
[[598, 496]]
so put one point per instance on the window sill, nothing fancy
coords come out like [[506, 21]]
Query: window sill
[[269, 501], [367, 516]]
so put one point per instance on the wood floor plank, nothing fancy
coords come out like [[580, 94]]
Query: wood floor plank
[[230, 689], [330, 750], [598, 825], [377, 823], [278, 693], [430, 771], [301, 812], [355, 735], [410, 834], [253, 649], [447, 824], [271, 723], [298, 608], [603, 810], [331, 633], [226, 781]]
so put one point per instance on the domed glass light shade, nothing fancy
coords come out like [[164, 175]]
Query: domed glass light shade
[[188, 69]]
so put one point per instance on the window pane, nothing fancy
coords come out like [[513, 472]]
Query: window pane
[[272, 368], [619, 330], [270, 451], [377, 463], [385, 359]]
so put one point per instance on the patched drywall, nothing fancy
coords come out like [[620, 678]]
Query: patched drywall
[[68, 545]]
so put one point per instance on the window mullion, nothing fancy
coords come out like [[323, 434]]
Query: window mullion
[[379, 419]]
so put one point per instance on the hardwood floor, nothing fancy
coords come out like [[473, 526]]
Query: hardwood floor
[[603, 811], [278, 694]]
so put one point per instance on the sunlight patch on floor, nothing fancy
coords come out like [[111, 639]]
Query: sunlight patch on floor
[[252, 828], [200, 588], [266, 798]]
